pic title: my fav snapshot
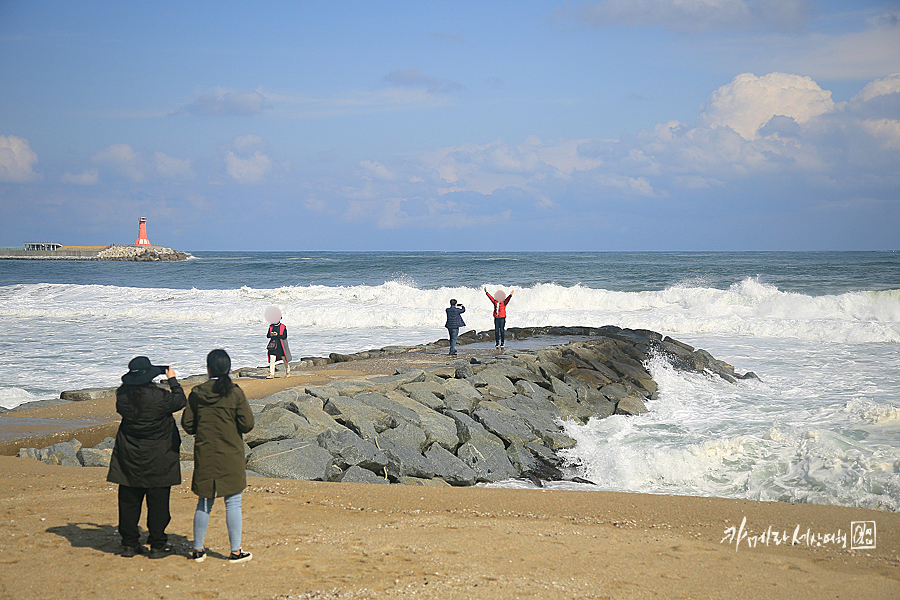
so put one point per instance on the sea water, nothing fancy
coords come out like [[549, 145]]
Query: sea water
[[822, 331]]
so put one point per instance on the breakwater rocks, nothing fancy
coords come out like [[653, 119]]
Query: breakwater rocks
[[141, 254], [461, 423]]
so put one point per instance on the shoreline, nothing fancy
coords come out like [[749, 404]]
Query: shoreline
[[346, 540]]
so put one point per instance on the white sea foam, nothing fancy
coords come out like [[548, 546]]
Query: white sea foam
[[747, 308], [789, 438]]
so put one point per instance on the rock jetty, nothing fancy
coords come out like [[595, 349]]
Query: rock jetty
[[141, 254], [465, 422]]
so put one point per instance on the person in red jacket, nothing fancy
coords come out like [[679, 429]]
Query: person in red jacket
[[500, 303]]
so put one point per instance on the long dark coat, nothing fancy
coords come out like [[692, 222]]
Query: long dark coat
[[218, 424], [146, 454]]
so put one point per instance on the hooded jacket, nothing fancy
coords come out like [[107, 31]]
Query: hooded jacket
[[218, 424], [146, 454]]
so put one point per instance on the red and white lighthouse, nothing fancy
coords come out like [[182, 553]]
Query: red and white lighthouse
[[142, 233]]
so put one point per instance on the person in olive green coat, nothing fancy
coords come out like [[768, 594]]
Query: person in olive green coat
[[217, 415]]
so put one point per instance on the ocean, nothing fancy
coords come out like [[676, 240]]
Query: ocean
[[820, 329]]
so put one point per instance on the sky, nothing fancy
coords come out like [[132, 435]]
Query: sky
[[612, 125]]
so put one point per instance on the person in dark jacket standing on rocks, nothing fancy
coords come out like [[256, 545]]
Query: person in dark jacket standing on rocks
[[454, 322], [218, 415], [145, 459]]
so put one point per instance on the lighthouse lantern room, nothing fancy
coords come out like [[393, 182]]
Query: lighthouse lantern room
[[142, 233]]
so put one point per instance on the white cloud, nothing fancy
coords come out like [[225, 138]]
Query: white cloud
[[248, 170], [172, 168], [227, 103], [124, 159], [879, 87], [753, 131], [377, 170], [864, 54], [86, 177], [17, 160], [246, 142], [749, 102]]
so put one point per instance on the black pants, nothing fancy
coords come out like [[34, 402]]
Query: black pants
[[158, 517]]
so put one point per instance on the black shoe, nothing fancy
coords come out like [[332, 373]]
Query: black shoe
[[162, 552], [198, 555], [239, 556], [132, 551]]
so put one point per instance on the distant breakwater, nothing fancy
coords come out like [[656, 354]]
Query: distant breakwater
[[121, 253], [465, 422]]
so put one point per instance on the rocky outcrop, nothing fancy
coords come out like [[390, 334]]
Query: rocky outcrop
[[141, 254], [460, 423]]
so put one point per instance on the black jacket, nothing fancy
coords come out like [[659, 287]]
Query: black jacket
[[146, 454]]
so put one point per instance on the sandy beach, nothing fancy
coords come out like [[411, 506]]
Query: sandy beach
[[334, 540]]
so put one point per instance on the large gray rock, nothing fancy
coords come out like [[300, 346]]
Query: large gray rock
[[495, 392], [438, 428], [504, 423], [463, 369], [488, 459], [521, 458], [352, 387], [348, 449], [516, 373], [550, 370], [543, 418], [460, 403], [108, 443], [64, 454], [492, 376], [468, 429], [356, 474], [449, 467], [292, 459], [287, 395], [442, 371], [405, 434], [427, 398], [462, 387], [317, 420], [405, 459], [398, 412], [392, 382], [39, 454], [435, 386], [366, 421], [631, 406], [272, 425], [87, 394], [590, 377], [562, 389], [92, 457]]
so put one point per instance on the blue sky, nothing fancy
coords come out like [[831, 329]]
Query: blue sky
[[611, 125]]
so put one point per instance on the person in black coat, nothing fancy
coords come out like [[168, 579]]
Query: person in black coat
[[145, 459]]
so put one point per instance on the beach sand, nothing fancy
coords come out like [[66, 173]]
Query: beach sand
[[58, 538]]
